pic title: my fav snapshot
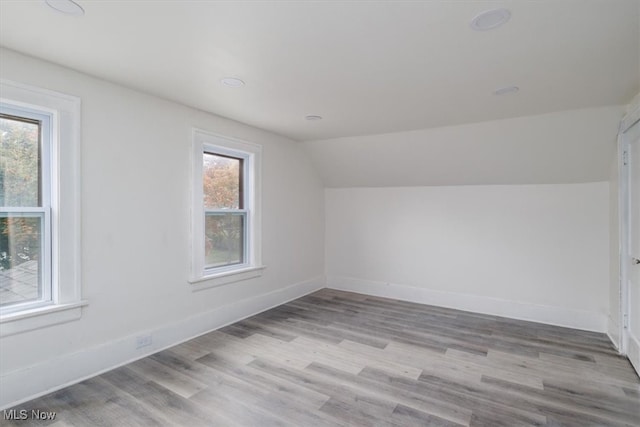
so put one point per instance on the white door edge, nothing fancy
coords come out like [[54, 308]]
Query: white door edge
[[624, 201]]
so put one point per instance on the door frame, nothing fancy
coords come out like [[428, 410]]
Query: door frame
[[624, 217]]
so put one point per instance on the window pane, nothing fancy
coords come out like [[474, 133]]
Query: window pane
[[224, 243], [19, 162], [222, 182], [20, 260]]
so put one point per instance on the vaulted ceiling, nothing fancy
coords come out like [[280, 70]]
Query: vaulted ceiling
[[366, 67]]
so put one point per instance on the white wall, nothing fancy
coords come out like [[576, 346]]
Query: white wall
[[508, 216], [135, 226], [538, 252]]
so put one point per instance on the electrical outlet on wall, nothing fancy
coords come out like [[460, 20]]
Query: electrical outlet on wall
[[144, 341]]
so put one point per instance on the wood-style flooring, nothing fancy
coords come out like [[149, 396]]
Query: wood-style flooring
[[342, 359]]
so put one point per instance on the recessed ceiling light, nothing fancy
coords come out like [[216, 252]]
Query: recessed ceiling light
[[232, 82], [490, 19], [68, 7], [506, 90], [313, 118]]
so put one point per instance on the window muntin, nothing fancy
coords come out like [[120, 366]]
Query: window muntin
[[25, 208]]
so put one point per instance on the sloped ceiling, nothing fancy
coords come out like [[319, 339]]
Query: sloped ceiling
[[565, 147], [367, 67]]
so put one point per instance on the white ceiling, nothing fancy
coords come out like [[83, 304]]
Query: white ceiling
[[366, 67]]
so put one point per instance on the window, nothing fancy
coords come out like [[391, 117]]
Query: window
[[226, 210], [39, 208], [225, 219], [25, 209]]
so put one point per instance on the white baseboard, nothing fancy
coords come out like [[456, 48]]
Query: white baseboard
[[613, 332], [577, 319], [28, 383], [633, 352]]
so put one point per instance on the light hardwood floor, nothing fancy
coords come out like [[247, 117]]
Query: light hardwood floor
[[342, 359]]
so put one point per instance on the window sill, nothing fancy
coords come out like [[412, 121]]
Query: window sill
[[37, 318], [225, 278]]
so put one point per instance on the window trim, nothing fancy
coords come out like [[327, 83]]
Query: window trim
[[66, 301], [201, 277]]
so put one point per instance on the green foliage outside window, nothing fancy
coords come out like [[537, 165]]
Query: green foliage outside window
[[19, 187], [222, 186]]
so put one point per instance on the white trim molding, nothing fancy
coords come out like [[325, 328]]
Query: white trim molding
[[559, 316], [629, 342], [66, 253], [29, 320], [613, 331], [624, 220], [53, 374], [226, 277], [630, 118], [633, 352]]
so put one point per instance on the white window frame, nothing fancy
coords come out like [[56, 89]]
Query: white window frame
[[44, 211], [62, 240], [202, 277]]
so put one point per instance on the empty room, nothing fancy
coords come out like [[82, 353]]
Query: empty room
[[319, 213]]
